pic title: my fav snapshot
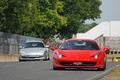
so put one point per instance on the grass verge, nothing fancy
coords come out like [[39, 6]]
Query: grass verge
[[115, 72], [113, 75]]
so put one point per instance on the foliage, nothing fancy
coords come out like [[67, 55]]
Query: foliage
[[46, 18], [85, 27], [3, 6], [77, 11], [49, 21], [19, 16]]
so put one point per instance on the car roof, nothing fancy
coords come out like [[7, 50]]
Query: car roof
[[80, 39], [33, 41]]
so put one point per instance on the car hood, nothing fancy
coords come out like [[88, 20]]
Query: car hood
[[82, 54]]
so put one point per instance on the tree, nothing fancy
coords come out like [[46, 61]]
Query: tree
[[77, 11], [46, 18], [20, 16], [3, 6], [49, 20], [85, 27]]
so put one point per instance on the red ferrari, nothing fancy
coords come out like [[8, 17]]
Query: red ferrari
[[79, 53]]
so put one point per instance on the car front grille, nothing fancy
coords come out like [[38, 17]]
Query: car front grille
[[31, 56], [82, 64]]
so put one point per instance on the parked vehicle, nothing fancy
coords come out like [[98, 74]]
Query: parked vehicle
[[116, 59], [34, 50], [79, 53]]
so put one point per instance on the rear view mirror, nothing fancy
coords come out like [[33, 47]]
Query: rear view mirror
[[47, 46], [106, 50], [20, 47], [52, 48]]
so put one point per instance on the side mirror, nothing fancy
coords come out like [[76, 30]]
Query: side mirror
[[47, 46], [20, 47], [52, 48], [106, 49]]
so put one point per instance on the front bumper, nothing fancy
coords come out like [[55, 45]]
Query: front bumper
[[31, 57], [91, 63]]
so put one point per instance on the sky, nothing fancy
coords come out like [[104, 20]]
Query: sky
[[110, 11]]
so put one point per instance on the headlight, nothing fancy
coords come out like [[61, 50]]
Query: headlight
[[59, 55], [96, 55], [22, 51]]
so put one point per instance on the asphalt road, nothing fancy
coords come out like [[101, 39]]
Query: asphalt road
[[42, 70]]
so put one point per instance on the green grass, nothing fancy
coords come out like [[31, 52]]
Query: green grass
[[115, 72]]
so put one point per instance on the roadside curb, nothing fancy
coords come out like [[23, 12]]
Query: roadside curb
[[103, 74]]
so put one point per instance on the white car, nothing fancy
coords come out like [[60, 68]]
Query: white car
[[34, 50]]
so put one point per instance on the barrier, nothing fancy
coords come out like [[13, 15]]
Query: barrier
[[114, 52], [9, 57], [9, 43]]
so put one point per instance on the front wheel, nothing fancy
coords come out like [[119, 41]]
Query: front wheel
[[45, 57], [48, 57], [102, 69], [56, 68]]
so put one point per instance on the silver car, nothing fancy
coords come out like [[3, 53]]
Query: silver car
[[34, 50]]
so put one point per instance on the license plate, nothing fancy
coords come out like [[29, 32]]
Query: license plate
[[77, 63]]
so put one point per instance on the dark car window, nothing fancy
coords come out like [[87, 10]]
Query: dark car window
[[79, 45], [117, 57], [33, 44]]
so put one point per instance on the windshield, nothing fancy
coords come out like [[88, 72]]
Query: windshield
[[79, 45], [33, 45]]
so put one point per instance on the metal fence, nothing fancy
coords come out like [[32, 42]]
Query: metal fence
[[111, 42], [9, 43], [100, 40]]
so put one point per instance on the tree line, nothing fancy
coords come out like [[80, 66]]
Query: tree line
[[46, 18]]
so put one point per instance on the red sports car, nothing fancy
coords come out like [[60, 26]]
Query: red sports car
[[79, 53]]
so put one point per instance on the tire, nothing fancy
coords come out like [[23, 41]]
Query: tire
[[45, 57], [104, 68], [48, 57], [21, 60], [55, 68]]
